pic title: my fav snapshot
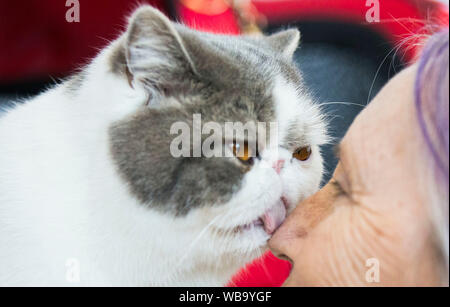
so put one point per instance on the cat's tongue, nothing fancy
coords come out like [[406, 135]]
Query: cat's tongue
[[273, 217]]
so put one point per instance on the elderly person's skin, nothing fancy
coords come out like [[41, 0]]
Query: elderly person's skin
[[375, 206]]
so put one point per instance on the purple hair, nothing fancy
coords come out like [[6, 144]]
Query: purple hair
[[431, 92], [432, 100]]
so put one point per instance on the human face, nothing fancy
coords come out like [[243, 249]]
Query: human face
[[368, 225]]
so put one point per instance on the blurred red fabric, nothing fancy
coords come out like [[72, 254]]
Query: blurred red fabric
[[224, 22], [36, 41]]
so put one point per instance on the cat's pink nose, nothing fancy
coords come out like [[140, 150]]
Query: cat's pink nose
[[278, 165]]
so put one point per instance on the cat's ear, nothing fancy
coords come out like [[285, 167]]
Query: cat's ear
[[154, 49], [285, 42]]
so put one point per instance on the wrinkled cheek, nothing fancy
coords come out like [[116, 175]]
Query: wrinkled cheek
[[314, 210]]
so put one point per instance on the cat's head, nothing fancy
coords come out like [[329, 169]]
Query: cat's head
[[237, 201]]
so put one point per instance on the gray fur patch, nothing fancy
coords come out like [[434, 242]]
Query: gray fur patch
[[296, 136], [118, 60], [140, 145]]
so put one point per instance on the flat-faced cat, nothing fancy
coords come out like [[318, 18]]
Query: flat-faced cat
[[90, 193]]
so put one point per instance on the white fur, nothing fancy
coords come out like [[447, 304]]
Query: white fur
[[62, 200]]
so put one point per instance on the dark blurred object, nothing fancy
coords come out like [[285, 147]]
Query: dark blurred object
[[37, 41]]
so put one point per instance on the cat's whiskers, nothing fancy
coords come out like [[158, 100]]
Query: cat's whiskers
[[346, 103]]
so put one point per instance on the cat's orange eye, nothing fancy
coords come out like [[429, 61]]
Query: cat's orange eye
[[243, 152], [302, 153]]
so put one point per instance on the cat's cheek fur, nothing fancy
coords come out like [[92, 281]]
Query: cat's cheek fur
[[302, 179]]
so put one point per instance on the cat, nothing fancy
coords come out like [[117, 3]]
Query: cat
[[90, 194]]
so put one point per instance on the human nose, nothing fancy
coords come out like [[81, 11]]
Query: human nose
[[281, 243], [287, 240]]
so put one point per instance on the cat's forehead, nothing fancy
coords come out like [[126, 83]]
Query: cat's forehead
[[242, 61], [238, 77], [271, 85]]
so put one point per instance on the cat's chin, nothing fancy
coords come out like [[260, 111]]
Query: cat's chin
[[255, 234], [270, 220]]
